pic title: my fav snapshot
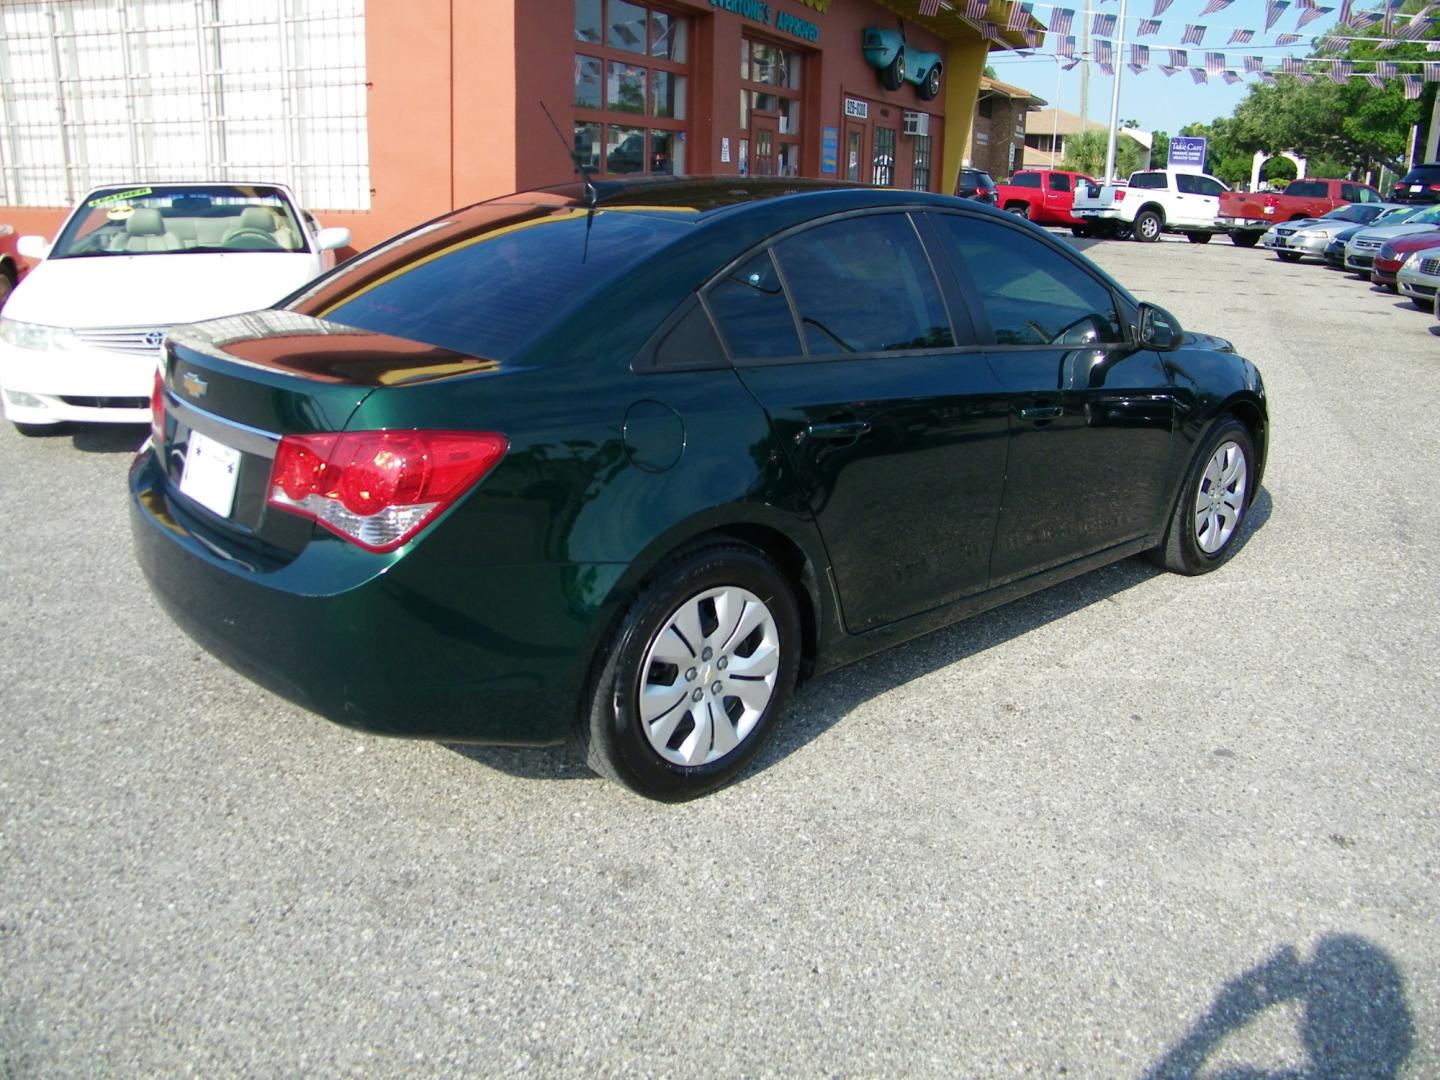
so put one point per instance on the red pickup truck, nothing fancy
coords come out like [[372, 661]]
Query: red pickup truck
[[1245, 215], [1042, 195]]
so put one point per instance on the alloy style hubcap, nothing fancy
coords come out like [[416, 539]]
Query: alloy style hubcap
[[708, 675], [1220, 500]]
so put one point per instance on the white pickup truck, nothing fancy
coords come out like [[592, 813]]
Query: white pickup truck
[[1152, 202]]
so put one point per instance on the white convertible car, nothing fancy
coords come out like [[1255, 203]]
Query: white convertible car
[[80, 336]]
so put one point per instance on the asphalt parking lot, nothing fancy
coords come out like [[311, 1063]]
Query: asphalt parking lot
[[1137, 825]]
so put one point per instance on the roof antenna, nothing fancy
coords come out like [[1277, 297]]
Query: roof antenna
[[591, 195]]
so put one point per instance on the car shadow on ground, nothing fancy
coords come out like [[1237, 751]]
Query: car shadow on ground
[[824, 702], [100, 438], [1354, 1018]]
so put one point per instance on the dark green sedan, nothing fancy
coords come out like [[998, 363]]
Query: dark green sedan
[[623, 462]]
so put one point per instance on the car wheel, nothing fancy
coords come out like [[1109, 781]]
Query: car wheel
[[1148, 226], [1288, 256], [7, 286], [1124, 232], [1198, 237], [1019, 209], [34, 431], [1212, 503], [696, 676], [1079, 230], [930, 88], [1392, 288], [1244, 239], [892, 76]]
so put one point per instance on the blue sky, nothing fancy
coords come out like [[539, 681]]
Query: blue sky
[[1159, 102]]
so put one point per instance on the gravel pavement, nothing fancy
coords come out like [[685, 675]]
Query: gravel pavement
[[1137, 825]]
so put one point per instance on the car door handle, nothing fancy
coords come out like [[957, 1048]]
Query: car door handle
[[1042, 412], [839, 429]]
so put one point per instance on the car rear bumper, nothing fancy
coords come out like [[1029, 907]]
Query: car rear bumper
[[497, 655], [1240, 224]]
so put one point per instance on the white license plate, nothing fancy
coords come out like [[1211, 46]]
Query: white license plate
[[211, 471], [1417, 187]]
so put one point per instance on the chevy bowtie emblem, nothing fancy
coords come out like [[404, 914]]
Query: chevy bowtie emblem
[[193, 385], [154, 338]]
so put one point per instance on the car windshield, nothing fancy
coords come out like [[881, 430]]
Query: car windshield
[[1360, 212], [176, 220], [1422, 174], [1429, 216], [1396, 214]]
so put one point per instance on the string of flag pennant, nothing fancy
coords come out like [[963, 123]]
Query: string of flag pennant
[[1396, 28]]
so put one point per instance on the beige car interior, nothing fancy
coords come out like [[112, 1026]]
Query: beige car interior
[[146, 229]]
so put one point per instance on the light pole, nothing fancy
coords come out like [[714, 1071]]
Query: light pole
[[1115, 96]]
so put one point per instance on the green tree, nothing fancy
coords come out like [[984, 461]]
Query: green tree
[[1085, 153]]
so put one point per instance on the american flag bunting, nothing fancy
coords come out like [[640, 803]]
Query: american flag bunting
[[1019, 16], [1273, 10], [1160, 6], [1198, 74], [1230, 77], [1214, 62], [1418, 24], [1267, 77], [1179, 58], [976, 9], [1254, 63], [1215, 5], [929, 8], [1104, 53], [1241, 37], [1413, 86], [1375, 81], [1139, 56], [1292, 66], [1386, 69], [991, 32], [1340, 72], [1391, 7], [1061, 21], [1147, 27], [1168, 70], [1432, 70], [1310, 14], [1343, 19], [1103, 26], [1066, 46], [1286, 39], [1194, 34]]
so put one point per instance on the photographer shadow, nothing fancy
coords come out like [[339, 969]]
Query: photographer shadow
[[1355, 1021]]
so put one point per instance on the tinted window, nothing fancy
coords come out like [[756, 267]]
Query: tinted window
[[1026, 180], [1033, 294], [1148, 180], [691, 342], [485, 297], [1210, 186], [864, 285], [1188, 184], [1059, 182], [1307, 189], [751, 310]]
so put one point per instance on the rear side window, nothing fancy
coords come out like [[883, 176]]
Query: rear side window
[[864, 285], [751, 310], [1149, 180], [1059, 182], [1025, 180], [487, 295], [1033, 294]]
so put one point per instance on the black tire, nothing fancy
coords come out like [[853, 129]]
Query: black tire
[[1244, 239], [1079, 230], [35, 431], [7, 284], [929, 89], [1198, 237], [1179, 551], [1123, 231], [610, 732], [1390, 287], [1288, 256], [1019, 209], [1148, 226], [892, 75]]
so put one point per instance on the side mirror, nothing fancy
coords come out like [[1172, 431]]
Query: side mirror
[[1158, 329], [330, 239], [33, 247]]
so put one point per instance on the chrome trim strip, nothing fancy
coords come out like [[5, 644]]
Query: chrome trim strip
[[243, 437]]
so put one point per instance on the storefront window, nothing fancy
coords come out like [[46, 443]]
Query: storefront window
[[770, 95], [625, 27], [883, 170], [634, 66], [922, 163]]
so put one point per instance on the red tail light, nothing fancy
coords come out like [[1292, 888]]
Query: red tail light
[[377, 489], [1434, 187], [1119, 194], [157, 407]]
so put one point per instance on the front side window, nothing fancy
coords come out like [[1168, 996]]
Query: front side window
[[1188, 184], [1033, 294], [1059, 182], [631, 85], [864, 285]]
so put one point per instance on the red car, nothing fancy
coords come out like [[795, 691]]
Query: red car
[[1045, 196], [12, 266], [1395, 252]]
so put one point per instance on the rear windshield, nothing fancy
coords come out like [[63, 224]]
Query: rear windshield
[[1422, 174], [487, 295], [1308, 189]]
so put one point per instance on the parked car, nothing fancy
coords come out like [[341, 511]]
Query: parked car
[[1045, 196], [1292, 240], [1335, 249], [899, 64], [1361, 249], [1420, 185], [976, 184], [12, 266], [1151, 202], [561, 464], [1396, 253], [1419, 278], [81, 335], [1245, 215]]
